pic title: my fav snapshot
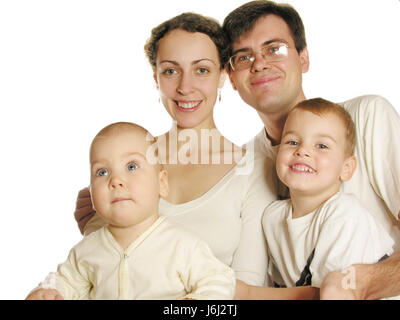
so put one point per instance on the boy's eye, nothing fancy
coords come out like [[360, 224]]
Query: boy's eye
[[101, 173], [321, 146], [132, 166]]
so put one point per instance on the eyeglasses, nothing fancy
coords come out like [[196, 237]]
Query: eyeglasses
[[273, 52]]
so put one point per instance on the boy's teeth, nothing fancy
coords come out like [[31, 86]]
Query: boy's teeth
[[188, 105], [303, 169]]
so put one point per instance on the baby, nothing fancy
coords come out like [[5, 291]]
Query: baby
[[320, 229], [138, 255]]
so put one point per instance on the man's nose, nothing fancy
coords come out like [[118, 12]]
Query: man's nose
[[260, 63]]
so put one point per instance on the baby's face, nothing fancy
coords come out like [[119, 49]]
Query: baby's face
[[125, 188], [311, 156]]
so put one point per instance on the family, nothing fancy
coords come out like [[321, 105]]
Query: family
[[308, 209]]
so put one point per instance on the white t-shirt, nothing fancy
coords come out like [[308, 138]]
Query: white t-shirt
[[228, 216], [165, 262], [302, 251], [376, 182]]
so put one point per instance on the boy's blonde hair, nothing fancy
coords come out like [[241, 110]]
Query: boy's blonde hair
[[320, 107]]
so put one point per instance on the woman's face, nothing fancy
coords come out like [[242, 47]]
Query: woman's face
[[188, 75]]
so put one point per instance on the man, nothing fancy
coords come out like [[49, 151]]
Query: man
[[268, 56]]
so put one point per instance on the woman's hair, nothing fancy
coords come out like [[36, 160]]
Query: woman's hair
[[190, 22], [321, 107], [243, 19]]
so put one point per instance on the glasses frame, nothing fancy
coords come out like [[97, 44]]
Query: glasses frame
[[253, 55]]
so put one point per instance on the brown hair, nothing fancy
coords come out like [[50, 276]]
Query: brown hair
[[243, 19], [190, 22], [320, 107]]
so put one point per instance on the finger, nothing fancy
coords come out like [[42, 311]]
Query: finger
[[84, 221], [83, 202], [81, 213], [84, 193]]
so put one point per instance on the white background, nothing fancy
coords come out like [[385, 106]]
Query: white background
[[68, 68]]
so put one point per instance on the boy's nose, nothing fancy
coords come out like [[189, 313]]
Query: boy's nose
[[302, 152]]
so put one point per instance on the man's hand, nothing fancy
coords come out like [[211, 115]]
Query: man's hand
[[44, 294], [333, 288], [84, 209]]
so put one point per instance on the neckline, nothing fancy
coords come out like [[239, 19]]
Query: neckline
[[192, 204]]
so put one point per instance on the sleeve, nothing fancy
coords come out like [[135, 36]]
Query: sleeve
[[380, 129], [72, 279], [347, 238], [250, 260], [207, 278]]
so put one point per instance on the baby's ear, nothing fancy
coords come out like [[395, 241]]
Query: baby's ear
[[164, 188], [91, 197], [349, 167]]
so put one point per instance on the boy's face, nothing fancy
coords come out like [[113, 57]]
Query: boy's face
[[311, 159], [125, 188]]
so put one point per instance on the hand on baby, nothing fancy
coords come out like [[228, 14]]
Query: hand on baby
[[44, 294]]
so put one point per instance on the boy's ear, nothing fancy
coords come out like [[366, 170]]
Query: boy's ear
[[91, 197], [349, 167], [164, 188]]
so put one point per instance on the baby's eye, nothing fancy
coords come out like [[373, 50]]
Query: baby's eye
[[101, 173], [321, 146], [132, 166], [292, 143]]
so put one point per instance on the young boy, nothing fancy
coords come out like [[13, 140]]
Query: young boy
[[320, 229], [139, 255]]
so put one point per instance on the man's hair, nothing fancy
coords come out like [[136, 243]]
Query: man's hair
[[190, 22], [321, 107], [243, 19]]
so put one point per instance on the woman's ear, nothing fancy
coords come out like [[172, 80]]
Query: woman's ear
[[155, 78], [222, 78], [349, 167], [163, 179]]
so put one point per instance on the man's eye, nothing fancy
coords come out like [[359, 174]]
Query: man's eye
[[132, 166], [102, 173], [243, 58]]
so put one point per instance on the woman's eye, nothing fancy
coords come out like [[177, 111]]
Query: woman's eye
[[132, 166], [202, 71], [169, 72], [102, 173]]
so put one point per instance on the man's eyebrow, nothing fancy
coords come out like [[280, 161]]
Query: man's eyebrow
[[246, 49]]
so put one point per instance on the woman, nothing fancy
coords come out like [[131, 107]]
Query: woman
[[219, 199]]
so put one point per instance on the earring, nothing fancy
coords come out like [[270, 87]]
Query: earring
[[219, 95]]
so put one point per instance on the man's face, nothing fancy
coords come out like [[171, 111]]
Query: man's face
[[270, 87]]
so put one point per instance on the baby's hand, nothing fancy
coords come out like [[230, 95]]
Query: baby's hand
[[44, 294]]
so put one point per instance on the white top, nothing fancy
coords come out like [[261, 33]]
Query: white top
[[228, 216], [165, 262], [376, 182], [338, 234]]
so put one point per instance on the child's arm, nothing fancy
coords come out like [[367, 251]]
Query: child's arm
[[207, 278], [44, 294], [247, 292]]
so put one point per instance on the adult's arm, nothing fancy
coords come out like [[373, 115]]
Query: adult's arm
[[373, 281], [250, 259]]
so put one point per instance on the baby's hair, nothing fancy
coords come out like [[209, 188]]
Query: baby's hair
[[320, 107], [118, 127]]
